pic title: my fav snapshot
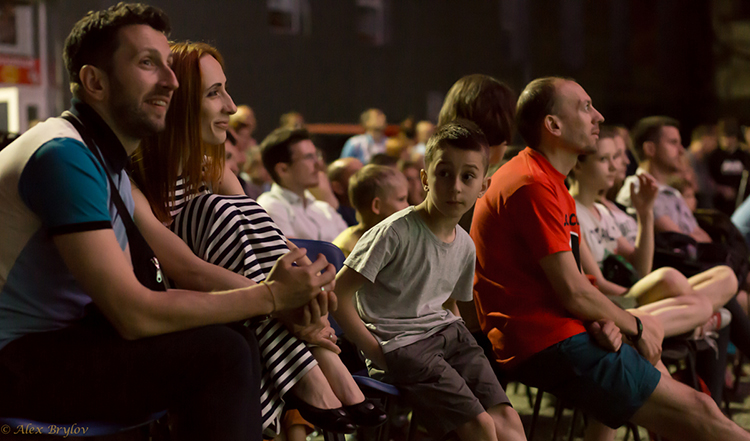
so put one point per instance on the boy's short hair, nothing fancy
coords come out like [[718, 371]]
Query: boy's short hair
[[369, 182], [461, 134], [649, 129], [277, 148], [93, 39]]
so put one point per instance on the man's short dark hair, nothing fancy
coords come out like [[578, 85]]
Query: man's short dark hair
[[277, 148], [486, 101], [649, 129], [461, 134], [535, 102], [93, 39]]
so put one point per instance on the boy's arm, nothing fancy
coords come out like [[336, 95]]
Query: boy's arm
[[348, 281]]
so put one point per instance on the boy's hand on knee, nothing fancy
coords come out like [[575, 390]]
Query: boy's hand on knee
[[606, 334]]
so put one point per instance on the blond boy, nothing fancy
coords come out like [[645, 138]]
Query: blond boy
[[376, 192]]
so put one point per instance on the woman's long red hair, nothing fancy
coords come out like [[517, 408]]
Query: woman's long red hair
[[179, 150]]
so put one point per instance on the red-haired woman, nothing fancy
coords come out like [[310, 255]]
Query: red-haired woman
[[182, 183]]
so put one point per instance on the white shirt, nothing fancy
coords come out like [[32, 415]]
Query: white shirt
[[312, 219]]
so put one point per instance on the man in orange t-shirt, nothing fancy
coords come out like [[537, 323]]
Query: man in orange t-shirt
[[535, 305]]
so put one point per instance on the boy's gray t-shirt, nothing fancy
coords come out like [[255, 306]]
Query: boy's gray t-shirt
[[412, 273]]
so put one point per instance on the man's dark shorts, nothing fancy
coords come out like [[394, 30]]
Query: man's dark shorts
[[609, 386], [445, 377]]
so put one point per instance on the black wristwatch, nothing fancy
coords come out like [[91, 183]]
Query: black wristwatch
[[635, 338]]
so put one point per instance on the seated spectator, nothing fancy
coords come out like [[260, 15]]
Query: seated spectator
[[703, 141], [292, 161], [243, 123], [406, 275], [292, 120], [372, 142], [416, 191], [657, 145], [247, 244], [726, 165], [384, 159], [376, 192], [692, 301], [623, 154], [424, 130], [256, 177], [98, 336], [538, 309], [339, 173]]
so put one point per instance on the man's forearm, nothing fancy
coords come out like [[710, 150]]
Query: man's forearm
[[589, 304]]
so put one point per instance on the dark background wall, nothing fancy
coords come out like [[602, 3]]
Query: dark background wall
[[634, 57]]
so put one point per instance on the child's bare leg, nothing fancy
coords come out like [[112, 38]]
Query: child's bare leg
[[313, 388], [718, 284], [508, 426], [680, 314], [597, 431], [338, 376], [482, 427], [660, 284]]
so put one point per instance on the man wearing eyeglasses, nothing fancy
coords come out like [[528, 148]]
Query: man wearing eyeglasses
[[293, 163]]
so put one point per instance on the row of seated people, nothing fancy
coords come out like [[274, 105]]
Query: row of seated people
[[397, 294]]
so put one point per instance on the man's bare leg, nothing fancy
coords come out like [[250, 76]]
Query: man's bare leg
[[597, 431], [508, 426], [677, 411]]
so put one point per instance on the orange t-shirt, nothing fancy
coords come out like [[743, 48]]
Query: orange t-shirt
[[526, 214]]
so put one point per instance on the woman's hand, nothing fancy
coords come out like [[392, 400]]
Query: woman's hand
[[643, 199]]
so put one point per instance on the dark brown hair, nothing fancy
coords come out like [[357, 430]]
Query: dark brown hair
[[484, 100], [461, 134]]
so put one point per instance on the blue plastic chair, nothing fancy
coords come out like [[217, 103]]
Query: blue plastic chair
[[82, 429]]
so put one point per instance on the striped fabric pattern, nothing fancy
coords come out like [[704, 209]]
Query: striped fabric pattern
[[236, 233]]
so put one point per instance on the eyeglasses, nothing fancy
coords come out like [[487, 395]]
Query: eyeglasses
[[309, 157]]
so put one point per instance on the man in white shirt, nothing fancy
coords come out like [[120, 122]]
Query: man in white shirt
[[292, 161]]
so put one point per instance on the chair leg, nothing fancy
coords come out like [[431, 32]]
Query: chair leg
[[535, 415], [413, 428], [573, 422], [558, 416]]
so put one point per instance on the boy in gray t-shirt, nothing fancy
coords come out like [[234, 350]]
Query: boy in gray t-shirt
[[398, 290]]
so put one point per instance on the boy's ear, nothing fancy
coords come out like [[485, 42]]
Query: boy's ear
[[423, 178], [94, 81], [485, 186], [553, 124], [375, 205]]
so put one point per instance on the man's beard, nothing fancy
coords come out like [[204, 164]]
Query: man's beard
[[132, 120]]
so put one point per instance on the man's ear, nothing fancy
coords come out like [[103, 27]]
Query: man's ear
[[485, 186], [281, 169], [375, 205], [553, 124], [94, 82], [649, 149]]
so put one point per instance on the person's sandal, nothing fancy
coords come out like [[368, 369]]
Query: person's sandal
[[366, 413], [331, 420]]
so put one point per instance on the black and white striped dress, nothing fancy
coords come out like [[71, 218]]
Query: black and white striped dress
[[236, 233]]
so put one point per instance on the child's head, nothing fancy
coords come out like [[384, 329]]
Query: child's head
[[456, 161], [377, 191], [597, 171], [686, 189]]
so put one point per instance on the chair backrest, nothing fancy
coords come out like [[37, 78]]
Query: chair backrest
[[314, 247]]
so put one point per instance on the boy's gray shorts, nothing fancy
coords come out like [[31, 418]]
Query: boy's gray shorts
[[446, 378]]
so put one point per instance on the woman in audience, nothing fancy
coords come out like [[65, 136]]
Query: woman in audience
[[682, 304], [182, 182]]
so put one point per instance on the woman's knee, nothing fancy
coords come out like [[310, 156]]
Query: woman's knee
[[672, 282]]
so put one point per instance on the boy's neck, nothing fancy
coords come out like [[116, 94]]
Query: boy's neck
[[442, 227]]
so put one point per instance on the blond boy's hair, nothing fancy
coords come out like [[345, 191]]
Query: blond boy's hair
[[369, 182]]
